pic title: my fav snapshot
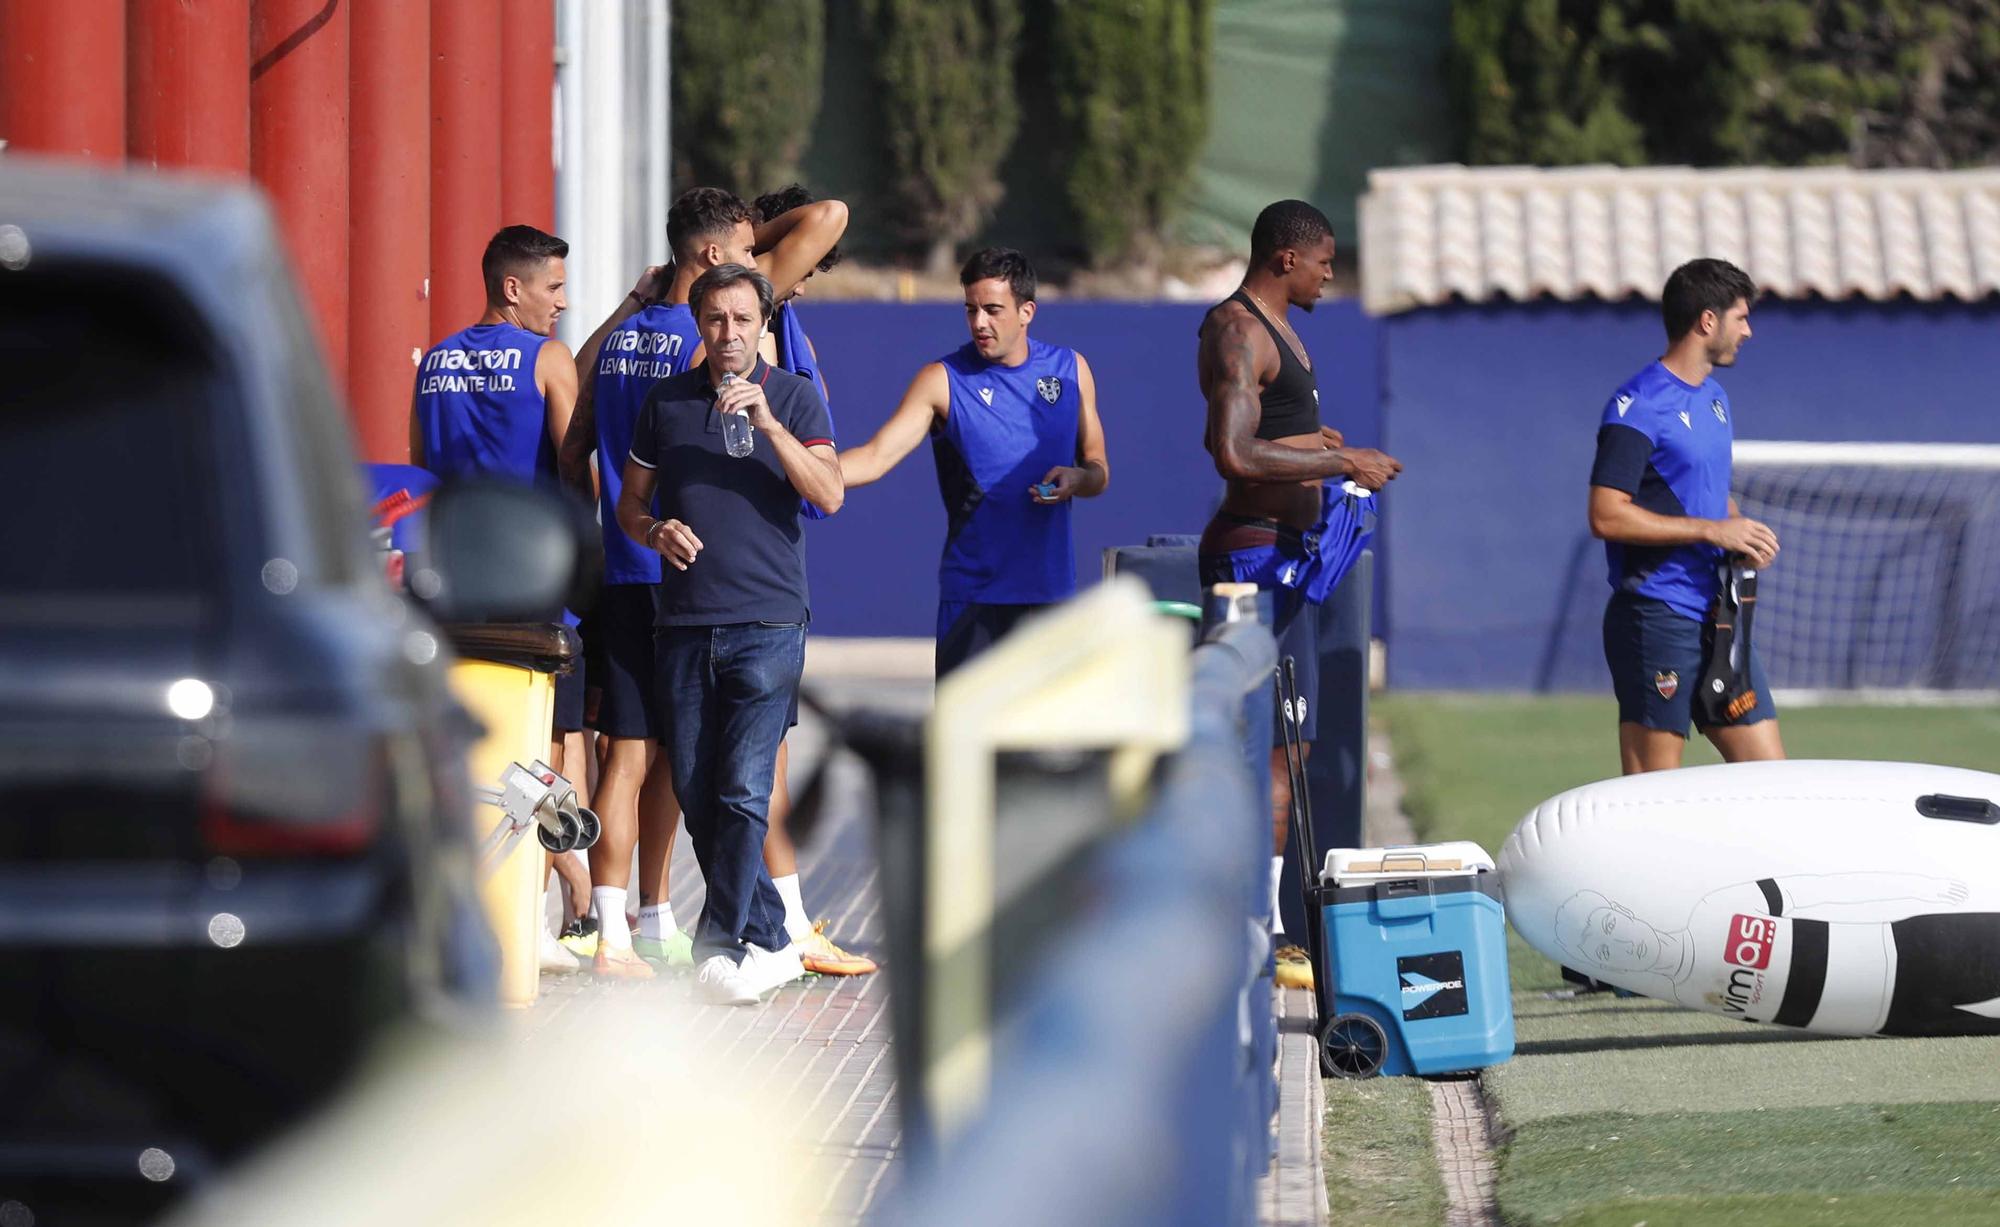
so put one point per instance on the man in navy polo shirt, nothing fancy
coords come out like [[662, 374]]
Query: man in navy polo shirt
[[732, 608], [1659, 499], [648, 338]]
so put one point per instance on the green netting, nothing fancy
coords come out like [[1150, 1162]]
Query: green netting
[[1307, 96]]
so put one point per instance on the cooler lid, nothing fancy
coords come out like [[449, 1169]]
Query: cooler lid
[[1358, 866]]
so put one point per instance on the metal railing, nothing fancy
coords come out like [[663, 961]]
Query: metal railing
[[1124, 1068]]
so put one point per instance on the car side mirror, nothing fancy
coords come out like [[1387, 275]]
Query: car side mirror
[[500, 552]]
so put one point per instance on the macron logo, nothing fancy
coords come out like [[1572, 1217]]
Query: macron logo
[[986, 394], [1624, 403]]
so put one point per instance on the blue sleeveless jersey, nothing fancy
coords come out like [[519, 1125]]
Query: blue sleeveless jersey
[[1006, 427], [795, 354], [653, 344], [479, 409]]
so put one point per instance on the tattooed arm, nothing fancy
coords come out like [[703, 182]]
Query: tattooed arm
[[1238, 360]]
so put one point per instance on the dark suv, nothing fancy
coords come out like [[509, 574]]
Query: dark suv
[[235, 843]]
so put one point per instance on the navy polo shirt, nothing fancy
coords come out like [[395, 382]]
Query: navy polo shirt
[[1667, 444], [752, 565]]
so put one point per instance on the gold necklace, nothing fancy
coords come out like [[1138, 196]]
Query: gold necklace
[[1292, 338]]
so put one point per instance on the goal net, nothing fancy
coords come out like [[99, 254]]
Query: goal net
[[1887, 583]]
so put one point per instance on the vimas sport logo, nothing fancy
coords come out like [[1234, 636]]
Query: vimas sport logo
[[1750, 939], [1433, 985]]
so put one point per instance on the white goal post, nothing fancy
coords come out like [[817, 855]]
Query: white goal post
[[1887, 583]]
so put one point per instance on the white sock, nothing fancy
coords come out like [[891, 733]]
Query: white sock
[[609, 904], [798, 925], [1277, 916], [656, 921]]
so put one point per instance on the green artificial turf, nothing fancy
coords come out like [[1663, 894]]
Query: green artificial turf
[[1381, 1167], [1618, 1111]]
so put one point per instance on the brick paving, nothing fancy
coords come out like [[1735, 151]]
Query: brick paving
[[820, 1047]]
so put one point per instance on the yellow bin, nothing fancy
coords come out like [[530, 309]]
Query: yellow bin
[[506, 678]]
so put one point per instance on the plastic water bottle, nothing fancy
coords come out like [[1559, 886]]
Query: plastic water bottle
[[737, 433]]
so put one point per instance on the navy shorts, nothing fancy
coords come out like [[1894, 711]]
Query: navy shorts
[[569, 697], [1655, 655], [1296, 625], [622, 633], [967, 628]]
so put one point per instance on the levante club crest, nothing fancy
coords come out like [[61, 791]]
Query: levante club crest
[[1050, 388], [1667, 683]]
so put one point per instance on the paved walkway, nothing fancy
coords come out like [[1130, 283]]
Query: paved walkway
[[824, 1044]]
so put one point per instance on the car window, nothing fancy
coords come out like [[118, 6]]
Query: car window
[[328, 483], [105, 461]]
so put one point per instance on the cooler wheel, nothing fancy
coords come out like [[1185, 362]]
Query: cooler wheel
[[1352, 1046]]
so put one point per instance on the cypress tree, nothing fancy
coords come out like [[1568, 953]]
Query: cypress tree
[[1131, 82], [946, 71], [746, 82]]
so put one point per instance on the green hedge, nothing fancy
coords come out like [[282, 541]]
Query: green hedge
[[1728, 82], [746, 85]]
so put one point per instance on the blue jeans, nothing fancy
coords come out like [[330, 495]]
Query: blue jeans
[[724, 694]]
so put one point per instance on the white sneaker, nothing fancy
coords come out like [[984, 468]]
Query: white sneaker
[[771, 969], [556, 960], [723, 981]]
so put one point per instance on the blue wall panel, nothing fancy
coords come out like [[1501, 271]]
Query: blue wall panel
[[873, 567], [1495, 582]]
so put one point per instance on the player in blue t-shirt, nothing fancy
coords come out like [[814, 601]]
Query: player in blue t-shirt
[[1014, 429], [1659, 499]]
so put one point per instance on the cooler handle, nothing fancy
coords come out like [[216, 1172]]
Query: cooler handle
[[1404, 899]]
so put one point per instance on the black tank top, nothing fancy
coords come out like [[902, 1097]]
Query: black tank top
[[1291, 402]]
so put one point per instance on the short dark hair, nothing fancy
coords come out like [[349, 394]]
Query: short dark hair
[[1287, 224], [1005, 263], [1698, 286], [702, 213], [721, 277], [514, 252], [792, 196]]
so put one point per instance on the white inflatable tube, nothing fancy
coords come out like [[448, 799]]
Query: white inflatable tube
[[1850, 898]]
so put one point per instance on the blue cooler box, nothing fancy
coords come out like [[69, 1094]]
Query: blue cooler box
[[1414, 960]]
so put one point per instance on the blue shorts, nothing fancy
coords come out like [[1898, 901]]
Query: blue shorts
[[621, 670], [569, 697], [1656, 660], [967, 628], [1296, 625]]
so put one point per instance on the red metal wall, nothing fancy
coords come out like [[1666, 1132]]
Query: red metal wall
[[392, 136]]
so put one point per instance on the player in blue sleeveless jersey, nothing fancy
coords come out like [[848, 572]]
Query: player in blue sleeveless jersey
[[1014, 429], [1659, 499], [650, 336], [494, 399], [1263, 430]]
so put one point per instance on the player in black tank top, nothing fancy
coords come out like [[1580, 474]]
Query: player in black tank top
[[1291, 401], [1264, 432]]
